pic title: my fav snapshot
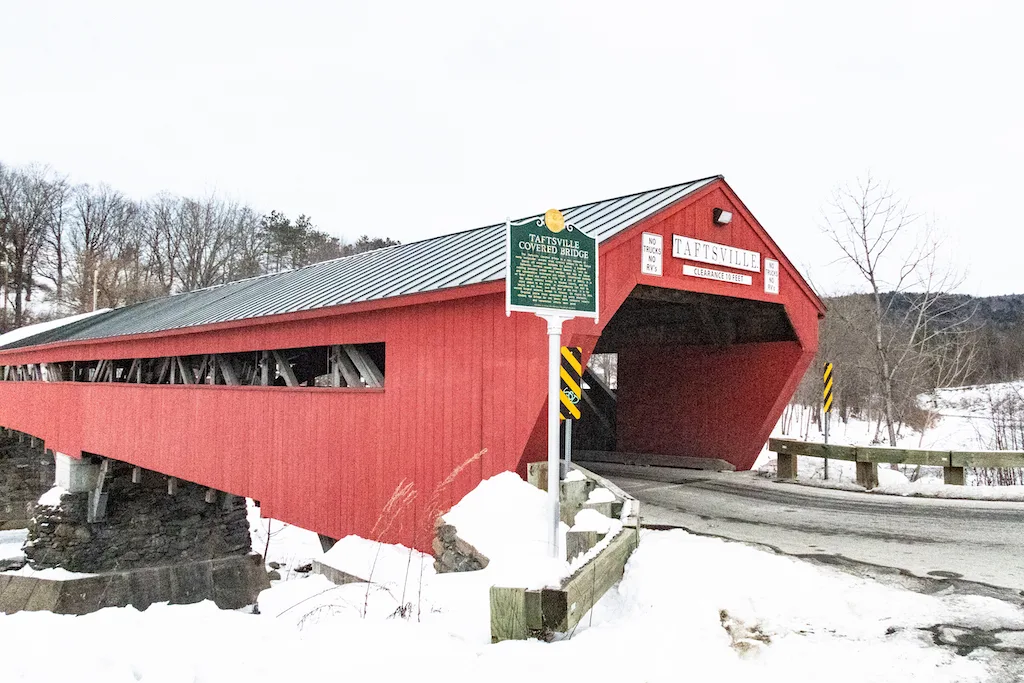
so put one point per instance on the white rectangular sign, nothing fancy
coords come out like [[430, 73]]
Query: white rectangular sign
[[720, 275], [771, 276], [650, 254], [718, 254]]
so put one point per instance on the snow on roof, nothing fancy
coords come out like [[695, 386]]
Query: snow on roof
[[32, 330]]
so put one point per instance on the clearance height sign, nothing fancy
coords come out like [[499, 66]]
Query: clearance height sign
[[552, 268]]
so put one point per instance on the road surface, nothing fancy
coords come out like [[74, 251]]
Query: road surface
[[952, 540]]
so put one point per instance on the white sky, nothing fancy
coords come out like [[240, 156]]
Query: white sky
[[419, 118]]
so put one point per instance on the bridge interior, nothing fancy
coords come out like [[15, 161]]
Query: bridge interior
[[689, 366]]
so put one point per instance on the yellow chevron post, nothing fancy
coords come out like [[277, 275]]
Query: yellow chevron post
[[826, 394], [571, 373]]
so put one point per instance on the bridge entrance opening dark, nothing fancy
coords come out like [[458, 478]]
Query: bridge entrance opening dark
[[671, 349]]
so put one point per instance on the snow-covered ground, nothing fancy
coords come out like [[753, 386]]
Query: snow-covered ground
[[961, 418], [688, 608], [10, 547]]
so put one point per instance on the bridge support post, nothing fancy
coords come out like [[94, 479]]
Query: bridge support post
[[953, 475], [786, 466], [98, 494], [76, 475], [867, 474]]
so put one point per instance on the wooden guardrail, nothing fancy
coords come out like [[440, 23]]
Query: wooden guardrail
[[519, 613], [869, 457]]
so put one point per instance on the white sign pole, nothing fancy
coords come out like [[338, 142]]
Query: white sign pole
[[554, 315], [554, 403]]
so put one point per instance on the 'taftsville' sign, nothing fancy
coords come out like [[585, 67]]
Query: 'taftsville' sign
[[718, 254]]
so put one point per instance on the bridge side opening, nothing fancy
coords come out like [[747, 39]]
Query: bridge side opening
[[695, 376], [339, 365]]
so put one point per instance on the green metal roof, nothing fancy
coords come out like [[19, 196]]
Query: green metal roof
[[455, 260]]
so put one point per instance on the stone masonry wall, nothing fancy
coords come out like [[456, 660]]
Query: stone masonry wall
[[144, 527], [451, 553], [26, 473]]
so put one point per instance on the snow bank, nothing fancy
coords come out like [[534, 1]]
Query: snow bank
[[393, 567], [52, 497], [592, 520], [51, 574], [842, 476], [574, 475], [932, 488], [686, 608], [30, 330], [11, 542], [506, 519], [601, 495], [290, 546]]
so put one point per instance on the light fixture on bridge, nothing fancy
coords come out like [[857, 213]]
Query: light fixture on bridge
[[722, 217]]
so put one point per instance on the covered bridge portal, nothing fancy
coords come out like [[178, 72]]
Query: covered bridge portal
[[322, 391]]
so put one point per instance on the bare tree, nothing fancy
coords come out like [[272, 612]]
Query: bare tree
[[88, 239], [912, 317], [26, 204], [204, 242], [248, 245], [53, 265], [100, 218]]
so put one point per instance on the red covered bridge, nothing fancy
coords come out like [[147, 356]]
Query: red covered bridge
[[320, 391]]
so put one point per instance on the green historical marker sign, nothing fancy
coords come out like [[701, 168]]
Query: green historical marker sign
[[552, 268]]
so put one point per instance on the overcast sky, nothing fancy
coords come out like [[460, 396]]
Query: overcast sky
[[419, 118]]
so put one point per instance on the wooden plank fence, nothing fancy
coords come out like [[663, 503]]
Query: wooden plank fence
[[869, 457]]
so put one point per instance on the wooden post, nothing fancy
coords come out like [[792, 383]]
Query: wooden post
[[953, 475], [867, 474], [227, 370], [165, 371], [367, 368], [267, 371], [786, 466], [97, 510], [285, 370], [579, 542], [509, 613], [185, 370], [344, 367]]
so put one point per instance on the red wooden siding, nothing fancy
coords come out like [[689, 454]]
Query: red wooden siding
[[461, 377]]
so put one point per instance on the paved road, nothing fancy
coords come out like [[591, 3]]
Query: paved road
[[980, 541]]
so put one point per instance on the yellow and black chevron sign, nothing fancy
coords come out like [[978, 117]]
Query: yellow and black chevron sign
[[572, 382], [826, 394]]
